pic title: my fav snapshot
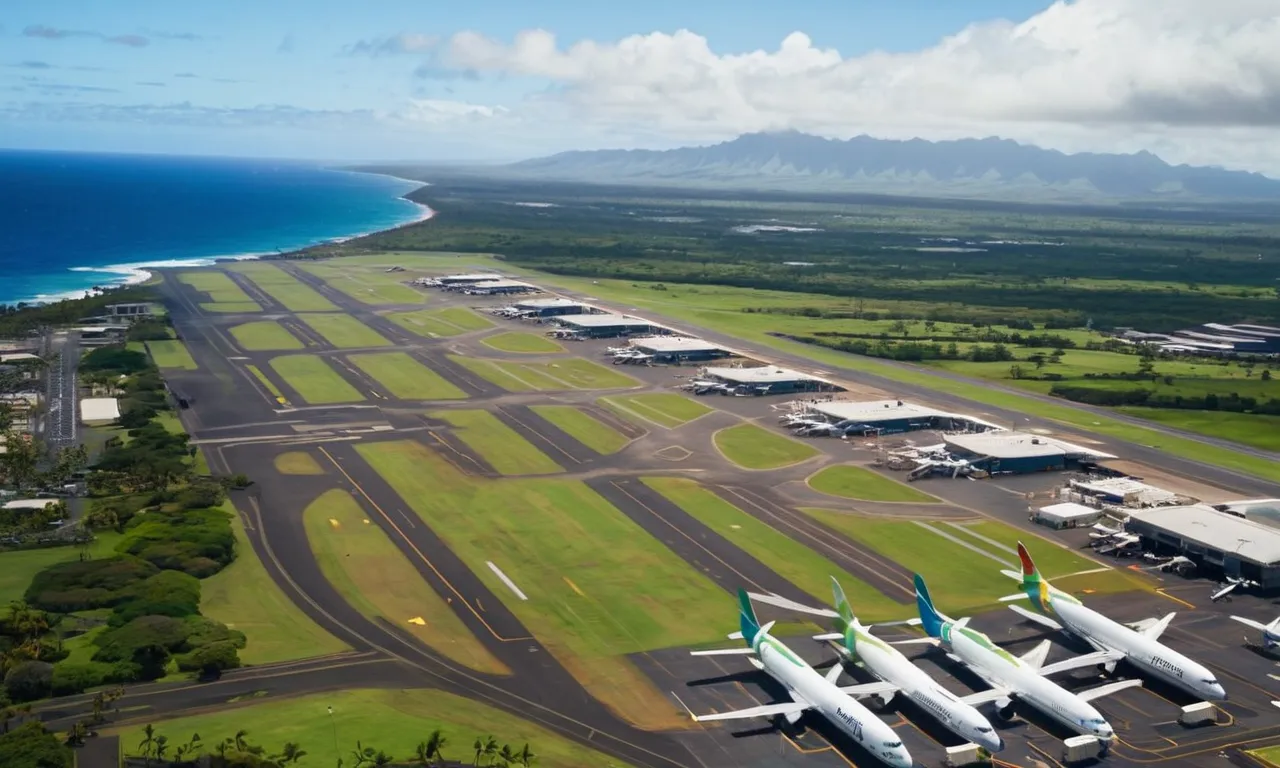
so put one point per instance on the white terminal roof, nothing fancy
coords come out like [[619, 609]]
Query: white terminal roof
[[1212, 529], [469, 278], [1068, 510], [674, 344], [1125, 487], [874, 410], [502, 283], [29, 503], [18, 357], [767, 374], [1004, 444], [604, 321], [99, 409], [547, 303]]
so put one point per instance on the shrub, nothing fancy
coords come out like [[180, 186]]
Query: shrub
[[214, 656], [29, 680], [31, 746], [168, 593], [115, 360], [120, 643], [75, 678], [84, 585]]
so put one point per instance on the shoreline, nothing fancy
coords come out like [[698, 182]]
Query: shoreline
[[136, 273]]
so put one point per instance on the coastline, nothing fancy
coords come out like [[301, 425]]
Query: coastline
[[141, 272]]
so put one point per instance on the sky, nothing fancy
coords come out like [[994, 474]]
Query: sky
[[1195, 81]]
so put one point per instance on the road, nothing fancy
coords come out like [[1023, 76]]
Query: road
[[61, 394]]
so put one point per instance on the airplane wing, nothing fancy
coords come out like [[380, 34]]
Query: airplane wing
[[1108, 689], [767, 710], [869, 689], [1013, 575], [791, 605], [1033, 616], [1224, 591], [1250, 623], [1079, 662], [1036, 656], [1153, 628], [724, 652], [982, 697]]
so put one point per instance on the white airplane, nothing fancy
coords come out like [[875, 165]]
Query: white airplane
[[809, 690], [1103, 530], [1123, 544], [1179, 564], [899, 675], [1232, 585], [1025, 677], [1270, 632], [1139, 644]]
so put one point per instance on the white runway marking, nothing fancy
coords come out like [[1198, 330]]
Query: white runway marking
[[505, 580]]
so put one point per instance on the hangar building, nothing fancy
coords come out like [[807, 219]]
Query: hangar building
[[679, 349], [498, 287], [890, 417], [769, 380], [461, 280], [550, 307], [608, 325], [1019, 452], [1240, 547]]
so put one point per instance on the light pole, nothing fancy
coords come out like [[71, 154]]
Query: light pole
[[337, 754]]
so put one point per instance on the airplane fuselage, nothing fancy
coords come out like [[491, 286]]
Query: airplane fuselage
[[1143, 652], [810, 687]]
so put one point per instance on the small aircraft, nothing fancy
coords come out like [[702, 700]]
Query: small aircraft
[[1180, 564], [1270, 632], [1232, 585], [1121, 545], [1105, 531]]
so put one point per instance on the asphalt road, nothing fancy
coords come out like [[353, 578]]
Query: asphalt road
[[62, 417]]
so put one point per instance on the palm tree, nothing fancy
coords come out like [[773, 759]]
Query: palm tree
[[526, 756], [381, 759], [478, 746], [289, 753], [148, 743], [162, 746], [431, 751], [490, 749], [239, 741], [363, 755], [507, 756]]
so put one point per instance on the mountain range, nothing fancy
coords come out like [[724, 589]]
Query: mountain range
[[988, 168]]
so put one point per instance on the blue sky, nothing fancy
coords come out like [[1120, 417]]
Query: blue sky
[[404, 79]]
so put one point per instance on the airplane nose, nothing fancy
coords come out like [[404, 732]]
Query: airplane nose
[[995, 745]]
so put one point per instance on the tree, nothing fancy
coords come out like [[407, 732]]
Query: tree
[[75, 736], [188, 751], [432, 750], [148, 744], [1015, 372], [526, 756], [507, 756], [490, 749], [1266, 374]]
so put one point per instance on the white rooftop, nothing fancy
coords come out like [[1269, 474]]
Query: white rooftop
[[1068, 510], [1125, 487], [674, 344], [1212, 529], [502, 283], [547, 303], [1009, 444], [604, 321], [476, 277], [767, 374], [99, 409], [874, 410], [29, 503], [18, 357]]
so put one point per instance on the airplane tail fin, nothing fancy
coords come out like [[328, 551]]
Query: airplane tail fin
[[1035, 585], [930, 619], [747, 620], [846, 618]]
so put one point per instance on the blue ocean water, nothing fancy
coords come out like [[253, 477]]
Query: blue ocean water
[[70, 221]]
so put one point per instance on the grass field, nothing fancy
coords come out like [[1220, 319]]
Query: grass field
[[314, 381], [853, 482], [962, 580], [583, 427], [344, 331], [1270, 755], [662, 409], [500, 445], [297, 463], [1257, 430], [453, 321], [245, 597], [371, 285], [569, 373], [529, 343], [376, 578], [224, 295], [599, 586], [265, 336], [754, 447], [406, 378], [284, 288], [18, 566], [268, 383], [171, 354], [782, 554], [391, 720]]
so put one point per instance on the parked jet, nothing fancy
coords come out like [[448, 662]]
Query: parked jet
[[809, 690], [1179, 564], [1139, 644], [1232, 585], [1270, 632], [1024, 678]]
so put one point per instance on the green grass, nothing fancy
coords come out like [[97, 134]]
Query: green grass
[[314, 380], [528, 343], [370, 285], [375, 577], [599, 586], [782, 554], [344, 332], [406, 378], [583, 427], [264, 336], [297, 463], [853, 482], [245, 597], [662, 409], [284, 287], [171, 354], [754, 447], [223, 294], [268, 383], [1257, 430], [569, 373], [1271, 755], [392, 720], [18, 566], [453, 321], [501, 446]]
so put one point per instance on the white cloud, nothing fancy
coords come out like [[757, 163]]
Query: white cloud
[[405, 42], [1090, 74]]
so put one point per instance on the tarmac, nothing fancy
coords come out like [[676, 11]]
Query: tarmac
[[242, 427]]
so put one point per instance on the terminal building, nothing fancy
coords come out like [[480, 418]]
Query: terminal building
[[550, 307], [891, 417], [500, 287], [607, 325], [1214, 540], [769, 380], [1019, 452], [679, 349]]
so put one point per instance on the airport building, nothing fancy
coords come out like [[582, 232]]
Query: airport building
[[463, 280], [1019, 452], [500, 287], [769, 380], [891, 417], [1125, 491], [1067, 514], [679, 349], [1215, 540], [550, 307], [607, 325]]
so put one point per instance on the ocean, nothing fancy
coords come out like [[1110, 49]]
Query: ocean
[[72, 221]]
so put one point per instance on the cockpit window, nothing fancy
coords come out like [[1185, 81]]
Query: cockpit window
[[1209, 681], [893, 744], [983, 729]]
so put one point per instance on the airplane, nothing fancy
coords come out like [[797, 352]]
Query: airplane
[[808, 690], [1124, 545], [1232, 584], [1022, 677], [1179, 564], [889, 666], [1270, 632], [1139, 644]]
